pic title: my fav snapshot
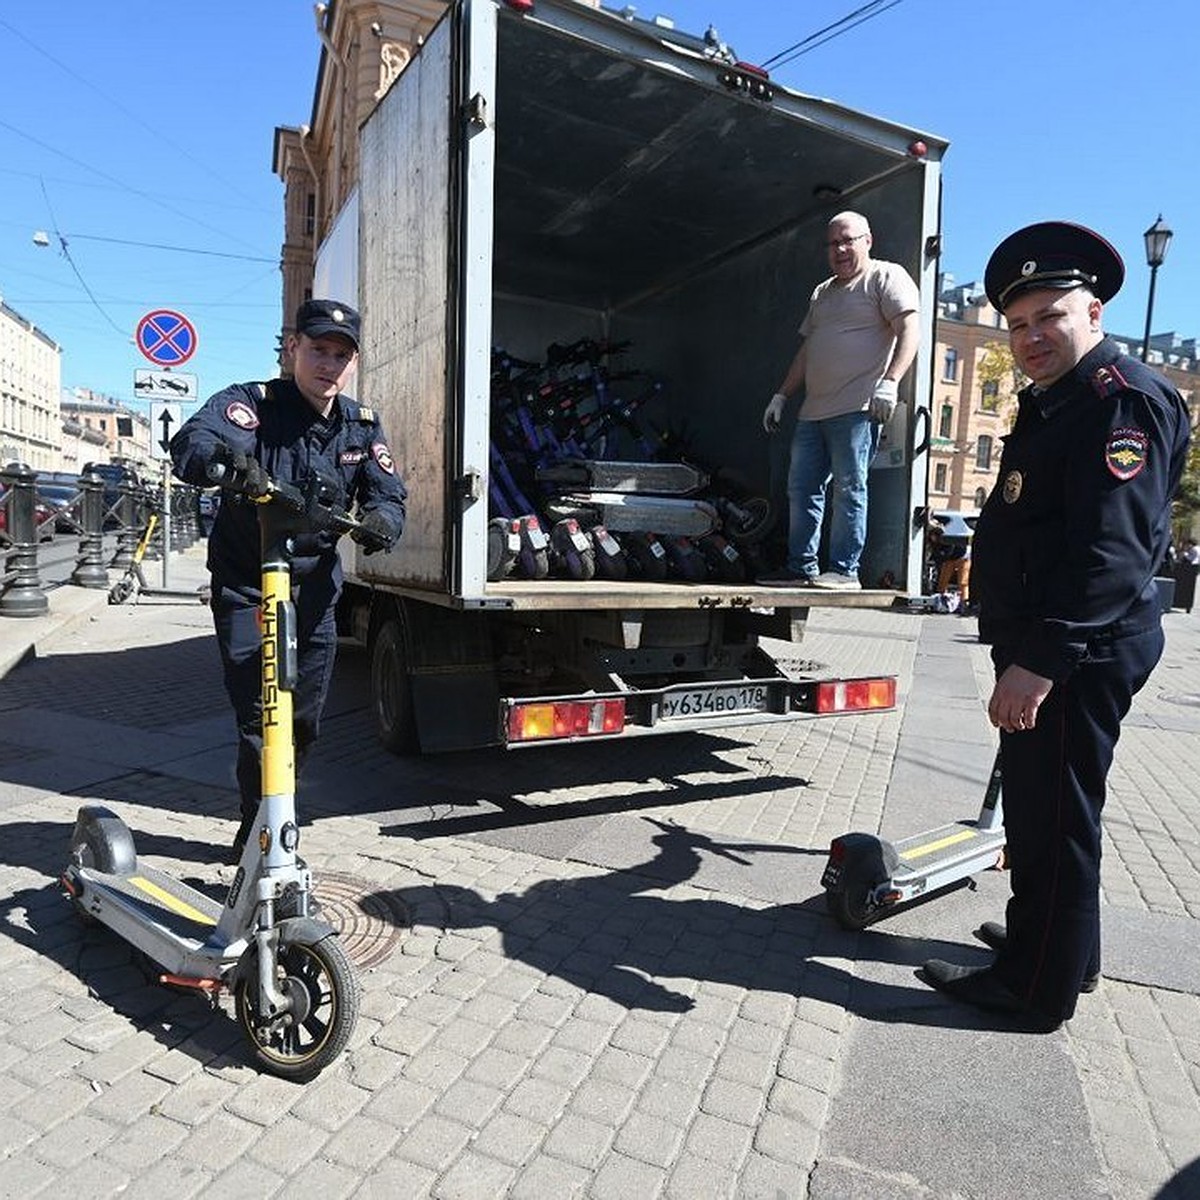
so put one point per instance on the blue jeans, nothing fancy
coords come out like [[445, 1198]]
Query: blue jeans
[[840, 448]]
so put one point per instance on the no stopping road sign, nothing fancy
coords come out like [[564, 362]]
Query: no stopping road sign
[[166, 338]]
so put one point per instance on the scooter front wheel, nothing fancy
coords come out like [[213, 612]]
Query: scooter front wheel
[[299, 1043]]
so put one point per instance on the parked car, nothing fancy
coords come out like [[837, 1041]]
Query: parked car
[[210, 502], [42, 514], [61, 499], [113, 474]]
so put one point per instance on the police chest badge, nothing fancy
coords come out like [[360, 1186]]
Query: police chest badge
[[383, 456], [1125, 453], [1013, 483], [239, 413]]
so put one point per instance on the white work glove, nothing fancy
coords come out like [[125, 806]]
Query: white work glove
[[773, 413], [883, 401]]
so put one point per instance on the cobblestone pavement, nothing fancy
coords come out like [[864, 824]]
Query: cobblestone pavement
[[587, 973]]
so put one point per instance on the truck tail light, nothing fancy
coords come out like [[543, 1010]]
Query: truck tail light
[[749, 79], [568, 719], [855, 695], [520, 5]]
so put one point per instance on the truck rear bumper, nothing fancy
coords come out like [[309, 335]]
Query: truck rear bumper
[[687, 707]]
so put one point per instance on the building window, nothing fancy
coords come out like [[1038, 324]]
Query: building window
[[310, 214], [980, 497], [991, 395], [950, 365], [939, 477], [946, 424], [983, 453]]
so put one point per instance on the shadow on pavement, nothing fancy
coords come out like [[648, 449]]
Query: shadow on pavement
[[113, 974], [608, 935], [1184, 1185]]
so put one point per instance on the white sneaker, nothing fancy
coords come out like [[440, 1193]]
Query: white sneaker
[[836, 581]]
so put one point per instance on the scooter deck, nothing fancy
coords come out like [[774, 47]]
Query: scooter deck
[[664, 515], [946, 848], [610, 475], [159, 899]]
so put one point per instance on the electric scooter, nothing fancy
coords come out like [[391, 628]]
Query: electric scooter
[[867, 877], [294, 990]]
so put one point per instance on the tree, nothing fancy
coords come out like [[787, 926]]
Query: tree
[[1000, 379], [1186, 501]]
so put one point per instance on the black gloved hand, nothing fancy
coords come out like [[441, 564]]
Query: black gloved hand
[[247, 476], [374, 533]]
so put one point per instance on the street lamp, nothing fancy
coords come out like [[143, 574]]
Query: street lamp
[[1158, 238]]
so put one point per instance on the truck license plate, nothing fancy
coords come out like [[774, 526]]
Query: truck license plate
[[711, 702]]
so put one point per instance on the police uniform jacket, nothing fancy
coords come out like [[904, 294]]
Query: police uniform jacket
[[273, 423], [1067, 544]]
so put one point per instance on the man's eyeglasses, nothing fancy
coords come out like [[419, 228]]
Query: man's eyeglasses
[[846, 242]]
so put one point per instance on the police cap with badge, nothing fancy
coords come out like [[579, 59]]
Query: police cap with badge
[[1052, 254], [318, 318]]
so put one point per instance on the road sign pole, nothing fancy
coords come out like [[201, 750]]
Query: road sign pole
[[166, 521]]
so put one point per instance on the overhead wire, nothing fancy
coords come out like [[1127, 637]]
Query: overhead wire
[[133, 116], [834, 30], [66, 253], [112, 179]]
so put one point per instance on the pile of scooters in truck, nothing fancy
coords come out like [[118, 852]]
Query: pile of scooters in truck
[[583, 486]]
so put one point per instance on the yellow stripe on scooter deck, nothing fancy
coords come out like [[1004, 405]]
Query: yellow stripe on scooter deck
[[940, 844], [163, 897]]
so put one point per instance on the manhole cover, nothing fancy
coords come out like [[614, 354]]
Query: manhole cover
[[368, 921]]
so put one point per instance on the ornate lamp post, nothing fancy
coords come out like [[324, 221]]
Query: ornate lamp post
[[1158, 238]]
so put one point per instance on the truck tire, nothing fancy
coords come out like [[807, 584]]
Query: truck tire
[[391, 690]]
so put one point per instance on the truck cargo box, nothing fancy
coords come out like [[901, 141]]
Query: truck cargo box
[[551, 189]]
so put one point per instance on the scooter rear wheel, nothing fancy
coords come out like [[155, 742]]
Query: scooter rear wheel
[[319, 982], [848, 905]]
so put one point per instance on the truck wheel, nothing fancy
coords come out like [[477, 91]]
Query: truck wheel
[[391, 690]]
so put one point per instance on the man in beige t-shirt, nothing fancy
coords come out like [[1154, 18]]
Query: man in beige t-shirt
[[857, 340]]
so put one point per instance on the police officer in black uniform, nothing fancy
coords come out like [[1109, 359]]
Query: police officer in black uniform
[[289, 429], [1065, 554]]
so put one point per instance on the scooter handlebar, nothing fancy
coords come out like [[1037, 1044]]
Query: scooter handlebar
[[318, 499]]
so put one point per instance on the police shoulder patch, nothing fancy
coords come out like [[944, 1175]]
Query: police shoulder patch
[[383, 456], [239, 413], [1126, 451]]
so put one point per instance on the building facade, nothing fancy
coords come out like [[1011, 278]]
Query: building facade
[[30, 382], [96, 428]]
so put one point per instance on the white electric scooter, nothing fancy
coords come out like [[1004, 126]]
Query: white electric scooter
[[294, 989], [866, 876]]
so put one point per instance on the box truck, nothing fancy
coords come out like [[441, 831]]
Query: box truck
[[556, 202]]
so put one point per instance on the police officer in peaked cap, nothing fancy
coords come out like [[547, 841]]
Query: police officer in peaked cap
[[289, 429], [1064, 559]]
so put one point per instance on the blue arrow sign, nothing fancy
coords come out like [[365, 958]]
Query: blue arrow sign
[[166, 338]]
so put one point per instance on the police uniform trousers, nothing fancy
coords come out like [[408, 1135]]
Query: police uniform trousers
[[1054, 787], [239, 636]]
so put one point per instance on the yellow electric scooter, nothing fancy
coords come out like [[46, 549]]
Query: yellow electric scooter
[[294, 990]]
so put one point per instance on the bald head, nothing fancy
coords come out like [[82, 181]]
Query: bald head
[[848, 239]]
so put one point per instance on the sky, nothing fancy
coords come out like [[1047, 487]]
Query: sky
[[137, 138]]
